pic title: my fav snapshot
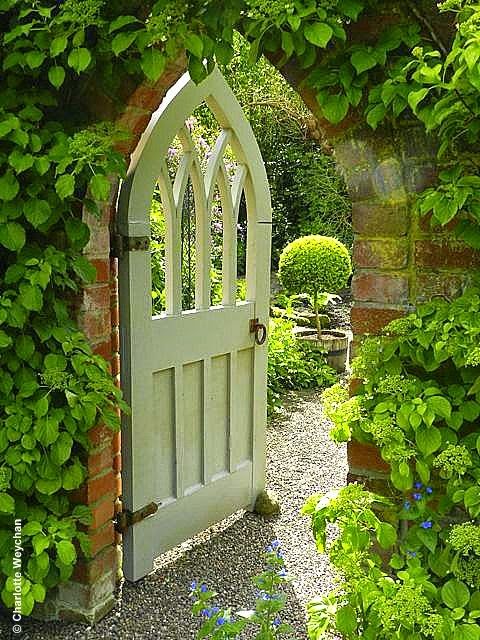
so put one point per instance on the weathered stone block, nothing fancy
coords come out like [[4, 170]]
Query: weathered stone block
[[374, 287], [377, 220], [430, 285], [388, 180], [371, 320], [445, 252], [384, 254]]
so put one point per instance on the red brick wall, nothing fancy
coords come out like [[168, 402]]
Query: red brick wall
[[398, 262]]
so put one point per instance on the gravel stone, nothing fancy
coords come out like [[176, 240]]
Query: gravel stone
[[301, 461]]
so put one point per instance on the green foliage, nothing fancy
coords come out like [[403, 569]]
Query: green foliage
[[292, 364], [264, 620], [308, 194], [55, 157], [419, 403], [314, 264]]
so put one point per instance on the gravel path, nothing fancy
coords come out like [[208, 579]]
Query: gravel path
[[301, 461]]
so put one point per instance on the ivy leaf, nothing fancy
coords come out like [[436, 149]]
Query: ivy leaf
[[100, 187], [84, 269], [9, 186], [66, 552], [48, 487], [24, 347], [467, 632], [58, 45], [77, 231], [72, 476], [61, 449], [42, 165], [9, 124], [34, 59], [30, 297], [31, 528], [38, 592], [37, 212], [363, 60], [194, 44], [335, 108], [318, 33], [152, 63], [40, 543], [5, 340], [56, 76], [12, 236], [123, 41], [20, 161], [7, 503], [79, 59], [65, 186], [41, 407]]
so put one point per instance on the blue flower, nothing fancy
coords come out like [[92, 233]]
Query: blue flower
[[275, 544], [406, 505], [418, 485], [417, 496], [204, 588], [283, 572], [206, 613], [429, 490], [221, 621], [427, 524], [277, 622], [412, 554], [215, 610], [193, 585]]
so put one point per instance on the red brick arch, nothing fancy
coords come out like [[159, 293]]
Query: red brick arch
[[398, 261]]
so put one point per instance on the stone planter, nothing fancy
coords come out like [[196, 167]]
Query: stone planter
[[333, 342]]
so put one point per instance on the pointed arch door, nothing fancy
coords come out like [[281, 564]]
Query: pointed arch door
[[194, 444]]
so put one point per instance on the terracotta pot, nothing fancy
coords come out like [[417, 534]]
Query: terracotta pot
[[333, 342]]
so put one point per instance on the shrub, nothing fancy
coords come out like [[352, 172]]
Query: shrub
[[293, 364], [419, 403], [314, 265]]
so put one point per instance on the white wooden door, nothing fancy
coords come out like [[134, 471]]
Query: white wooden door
[[195, 379]]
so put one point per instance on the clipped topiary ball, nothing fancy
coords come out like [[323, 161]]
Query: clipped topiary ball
[[313, 265]]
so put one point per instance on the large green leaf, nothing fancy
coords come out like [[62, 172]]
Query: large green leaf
[[318, 33], [455, 594], [79, 59], [12, 236], [428, 439], [66, 551], [363, 60], [37, 211], [335, 108], [9, 186], [153, 63]]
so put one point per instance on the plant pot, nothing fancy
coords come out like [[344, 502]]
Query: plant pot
[[333, 342]]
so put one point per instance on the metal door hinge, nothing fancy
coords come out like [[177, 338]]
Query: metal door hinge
[[120, 244], [126, 518]]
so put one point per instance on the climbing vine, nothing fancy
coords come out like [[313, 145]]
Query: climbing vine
[[56, 160]]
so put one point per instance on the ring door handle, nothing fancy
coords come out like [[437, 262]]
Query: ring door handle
[[260, 331]]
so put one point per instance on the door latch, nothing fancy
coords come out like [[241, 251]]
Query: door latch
[[260, 331], [126, 518]]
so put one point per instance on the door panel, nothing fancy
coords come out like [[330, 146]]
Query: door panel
[[194, 443]]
